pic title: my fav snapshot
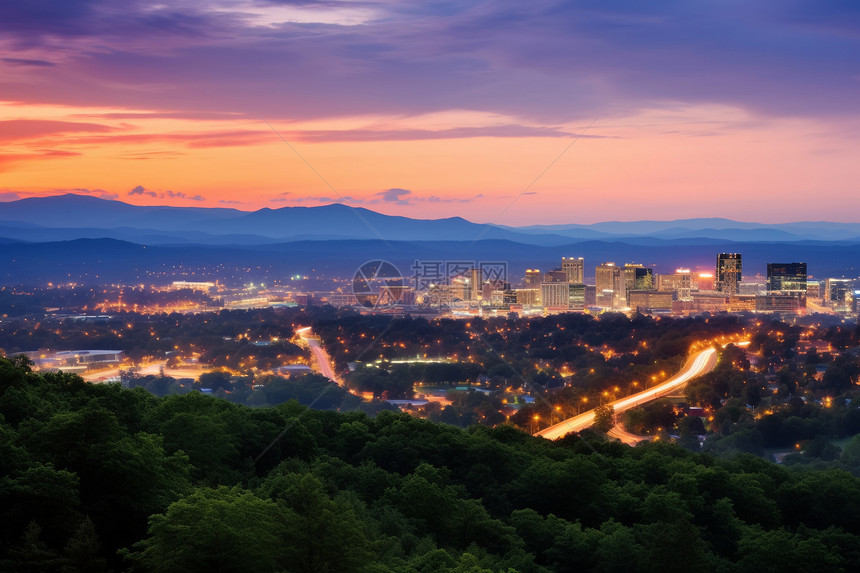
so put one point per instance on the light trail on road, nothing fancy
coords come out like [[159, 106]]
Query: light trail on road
[[619, 433], [323, 360], [698, 364]]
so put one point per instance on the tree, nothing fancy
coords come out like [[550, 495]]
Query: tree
[[850, 457], [31, 554], [321, 535], [82, 550], [224, 529], [604, 417], [215, 380]]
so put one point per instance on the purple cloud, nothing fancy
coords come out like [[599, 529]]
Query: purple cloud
[[549, 60], [181, 195], [141, 190], [395, 195]]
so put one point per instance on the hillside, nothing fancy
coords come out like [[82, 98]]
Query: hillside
[[98, 477]]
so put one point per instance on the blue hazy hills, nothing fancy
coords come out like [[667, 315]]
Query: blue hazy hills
[[86, 238]]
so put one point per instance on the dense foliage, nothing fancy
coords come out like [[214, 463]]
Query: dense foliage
[[94, 477]]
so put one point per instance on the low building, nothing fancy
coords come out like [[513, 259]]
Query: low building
[[651, 301], [74, 360], [780, 301]]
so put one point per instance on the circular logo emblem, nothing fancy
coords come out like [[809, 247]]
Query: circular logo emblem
[[377, 284]]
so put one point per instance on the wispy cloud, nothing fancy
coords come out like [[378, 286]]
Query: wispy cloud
[[548, 59], [20, 129], [392, 196], [142, 191]]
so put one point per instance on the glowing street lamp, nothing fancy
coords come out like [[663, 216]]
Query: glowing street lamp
[[582, 402]]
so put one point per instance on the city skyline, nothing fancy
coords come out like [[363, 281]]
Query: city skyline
[[553, 113]]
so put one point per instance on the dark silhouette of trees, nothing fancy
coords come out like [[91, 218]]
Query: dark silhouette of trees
[[97, 478]]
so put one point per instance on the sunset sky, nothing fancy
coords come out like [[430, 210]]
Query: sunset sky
[[497, 111]]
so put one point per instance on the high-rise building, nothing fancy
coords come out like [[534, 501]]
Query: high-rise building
[[680, 283], [573, 268], [611, 286], [533, 278], [786, 277], [476, 284], [729, 273], [637, 277], [838, 292]]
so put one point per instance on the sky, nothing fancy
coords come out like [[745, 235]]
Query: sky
[[512, 112]]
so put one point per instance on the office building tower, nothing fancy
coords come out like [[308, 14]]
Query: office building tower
[[611, 286], [838, 293], [729, 273], [476, 284], [637, 277], [533, 279], [573, 268], [786, 277]]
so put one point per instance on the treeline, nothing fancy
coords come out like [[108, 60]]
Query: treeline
[[97, 478], [312, 390]]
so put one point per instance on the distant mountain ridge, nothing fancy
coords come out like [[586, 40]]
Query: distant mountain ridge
[[73, 216], [99, 261]]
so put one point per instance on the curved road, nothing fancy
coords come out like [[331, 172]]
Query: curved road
[[619, 433], [698, 364]]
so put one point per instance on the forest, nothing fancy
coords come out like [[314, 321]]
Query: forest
[[101, 478]]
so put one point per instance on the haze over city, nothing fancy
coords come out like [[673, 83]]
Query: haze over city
[[571, 112]]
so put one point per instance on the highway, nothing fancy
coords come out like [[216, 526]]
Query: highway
[[323, 360], [698, 364]]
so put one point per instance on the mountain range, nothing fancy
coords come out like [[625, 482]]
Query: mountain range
[[71, 216], [87, 238]]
